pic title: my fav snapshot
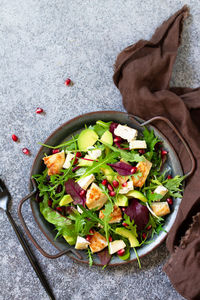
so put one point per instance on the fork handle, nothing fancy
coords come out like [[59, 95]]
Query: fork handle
[[31, 257]]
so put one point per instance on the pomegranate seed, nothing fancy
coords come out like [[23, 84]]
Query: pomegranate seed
[[39, 110], [115, 183], [91, 231], [121, 252], [54, 151], [110, 187], [124, 224], [117, 139], [75, 169], [59, 209], [104, 182], [88, 237], [133, 170], [163, 152], [110, 239], [170, 201], [169, 177], [68, 81], [124, 184], [123, 208], [118, 145], [113, 126], [149, 227], [15, 138], [112, 193], [26, 151], [50, 202], [75, 161], [82, 193], [144, 235], [141, 151], [78, 154]]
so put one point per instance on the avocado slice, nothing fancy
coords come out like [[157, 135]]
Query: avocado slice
[[137, 195], [107, 137], [129, 235], [69, 239], [85, 163], [121, 200], [87, 138], [66, 199], [108, 172]]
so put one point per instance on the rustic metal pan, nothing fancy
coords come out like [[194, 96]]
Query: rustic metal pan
[[63, 133]]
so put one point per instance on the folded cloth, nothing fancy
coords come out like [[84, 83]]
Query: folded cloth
[[142, 74]]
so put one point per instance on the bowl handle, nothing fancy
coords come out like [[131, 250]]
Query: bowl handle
[[31, 237], [193, 164]]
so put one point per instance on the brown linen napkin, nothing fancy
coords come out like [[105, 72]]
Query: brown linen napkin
[[142, 74]]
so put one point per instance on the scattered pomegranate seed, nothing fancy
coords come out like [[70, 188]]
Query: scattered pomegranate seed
[[15, 138], [110, 187], [104, 182], [115, 183], [78, 154], [68, 81], [169, 177], [144, 235], [82, 193], [124, 184], [54, 151], [88, 237], [59, 209], [117, 144], [163, 152], [149, 227], [170, 201], [50, 202], [134, 170], [117, 139], [91, 231], [124, 224], [112, 193], [75, 169], [26, 151], [121, 252], [141, 151], [123, 208], [39, 110], [110, 239]]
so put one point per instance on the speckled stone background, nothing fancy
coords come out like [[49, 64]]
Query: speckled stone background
[[41, 44]]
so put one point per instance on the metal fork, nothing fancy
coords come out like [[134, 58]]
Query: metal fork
[[4, 200]]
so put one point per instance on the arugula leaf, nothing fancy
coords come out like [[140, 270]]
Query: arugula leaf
[[174, 186], [90, 257], [96, 166], [130, 224], [107, 212], [150, 139], [131, 157]]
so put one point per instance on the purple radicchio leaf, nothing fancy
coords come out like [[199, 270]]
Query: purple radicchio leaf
[[122, 168], [138, 212], [73, 189], [104, 257]]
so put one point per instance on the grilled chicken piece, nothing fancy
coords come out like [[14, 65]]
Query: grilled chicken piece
[[160, 208], [144, 167], [95, 198], [98, 242], [116, 215], [54, 162]]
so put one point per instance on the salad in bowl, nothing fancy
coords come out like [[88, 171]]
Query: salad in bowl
[[105, 191]]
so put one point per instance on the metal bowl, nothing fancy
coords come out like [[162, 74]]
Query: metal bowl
[[64, 133]]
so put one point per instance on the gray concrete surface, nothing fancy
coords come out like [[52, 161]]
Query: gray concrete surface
[[41, 44]]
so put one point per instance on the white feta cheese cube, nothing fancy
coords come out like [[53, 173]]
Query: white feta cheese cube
[[68, 159], [86, 181], [95, 198], [125, 132], [116, 246], [137, 144], [81, 243], [125, 189], [94, 154], [161, 190]]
